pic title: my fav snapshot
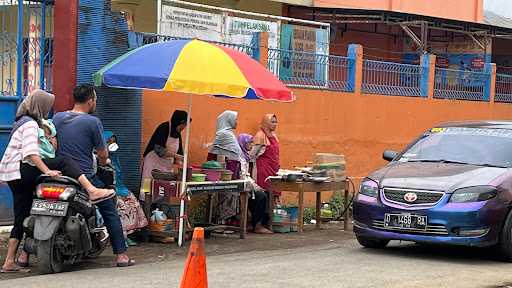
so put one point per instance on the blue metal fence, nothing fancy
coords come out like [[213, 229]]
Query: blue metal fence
[[387, 78], [503, 88], [137, 39], [460, 84], [304, 69]]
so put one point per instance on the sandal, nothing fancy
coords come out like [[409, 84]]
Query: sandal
[[23, 264], [130, 262], [16, 269]]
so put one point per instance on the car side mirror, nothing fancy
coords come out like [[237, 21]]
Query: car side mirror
[[389, 155]]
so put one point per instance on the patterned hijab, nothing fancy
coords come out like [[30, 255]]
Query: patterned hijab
[[243, 140]]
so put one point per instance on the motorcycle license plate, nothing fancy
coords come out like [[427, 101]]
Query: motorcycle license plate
[[43, 207], [405, 221]]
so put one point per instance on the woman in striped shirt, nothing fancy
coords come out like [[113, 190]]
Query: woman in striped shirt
[[22, 163]]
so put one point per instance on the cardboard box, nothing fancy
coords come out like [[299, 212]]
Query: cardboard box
[[334, 164]]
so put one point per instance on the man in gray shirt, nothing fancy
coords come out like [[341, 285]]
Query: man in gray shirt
[[79, 134]]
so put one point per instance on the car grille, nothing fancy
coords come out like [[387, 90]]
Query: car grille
[[432, 229], [423, 197]]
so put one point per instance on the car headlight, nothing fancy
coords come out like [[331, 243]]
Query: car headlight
[[369, 188], [473, 194]]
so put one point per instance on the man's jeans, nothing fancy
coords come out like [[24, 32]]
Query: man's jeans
[[111, 218]]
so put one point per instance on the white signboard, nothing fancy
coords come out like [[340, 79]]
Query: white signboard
[[186, 23], [240, 31]]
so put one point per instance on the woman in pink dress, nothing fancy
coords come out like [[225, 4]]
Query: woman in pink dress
[[266, 150]]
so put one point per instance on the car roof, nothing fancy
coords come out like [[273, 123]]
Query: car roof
[[491, 124]]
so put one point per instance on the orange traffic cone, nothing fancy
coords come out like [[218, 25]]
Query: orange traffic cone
[[194, 275]]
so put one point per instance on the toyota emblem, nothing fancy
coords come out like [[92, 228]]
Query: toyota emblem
[[410, 197]]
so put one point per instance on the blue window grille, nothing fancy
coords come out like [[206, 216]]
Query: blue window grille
[[310, 70], [503, 88], [460, 84], [394, 79]]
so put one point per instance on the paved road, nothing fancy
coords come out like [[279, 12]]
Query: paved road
[[336, 264]]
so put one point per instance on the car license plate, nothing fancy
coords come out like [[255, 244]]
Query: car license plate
[[405, 221], [43, 207]]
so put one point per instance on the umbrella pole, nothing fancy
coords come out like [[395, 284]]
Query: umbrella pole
[[181, 229]]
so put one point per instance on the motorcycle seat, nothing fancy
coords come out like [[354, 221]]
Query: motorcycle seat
[[61, 179]]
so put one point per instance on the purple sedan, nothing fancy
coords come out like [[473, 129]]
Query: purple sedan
[[452, 185]]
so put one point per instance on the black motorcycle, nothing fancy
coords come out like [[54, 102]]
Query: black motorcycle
[[63, 227]]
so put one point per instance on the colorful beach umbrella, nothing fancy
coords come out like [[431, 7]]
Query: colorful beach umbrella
[[196, 67], [193, 67]]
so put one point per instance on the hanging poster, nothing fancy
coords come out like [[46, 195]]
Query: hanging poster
[[310, 66]]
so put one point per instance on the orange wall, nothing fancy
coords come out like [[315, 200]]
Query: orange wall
[[359, 126], [464, 10]]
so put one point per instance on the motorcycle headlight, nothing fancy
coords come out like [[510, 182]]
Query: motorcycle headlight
[[369, 188], [473, 194]]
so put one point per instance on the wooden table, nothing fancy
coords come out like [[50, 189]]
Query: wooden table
[[310, 187]]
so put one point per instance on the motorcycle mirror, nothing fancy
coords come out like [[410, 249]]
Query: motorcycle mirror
[[113, 147]]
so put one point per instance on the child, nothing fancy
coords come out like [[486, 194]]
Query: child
[[47, 139]]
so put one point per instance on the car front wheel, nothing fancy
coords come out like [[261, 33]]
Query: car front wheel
[[504, 247], [371, 242]]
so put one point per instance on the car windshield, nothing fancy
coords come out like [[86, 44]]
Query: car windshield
[[475, 146]]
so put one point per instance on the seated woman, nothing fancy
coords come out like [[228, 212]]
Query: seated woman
[[129, 209], [258, 202]]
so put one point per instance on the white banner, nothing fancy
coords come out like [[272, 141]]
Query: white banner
[[186, 23], [240, 31]]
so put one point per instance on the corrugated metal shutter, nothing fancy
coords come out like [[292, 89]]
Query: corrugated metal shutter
[[102, 37]]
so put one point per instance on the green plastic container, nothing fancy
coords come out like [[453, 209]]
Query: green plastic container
[[198, 178]]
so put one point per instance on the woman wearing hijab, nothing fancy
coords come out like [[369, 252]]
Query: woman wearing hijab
[[129, 209], [258, 202], [23, 162], [266, 151], [226, 144], [165, 147]]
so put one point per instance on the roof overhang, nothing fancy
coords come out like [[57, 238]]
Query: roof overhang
[[341, 15]]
